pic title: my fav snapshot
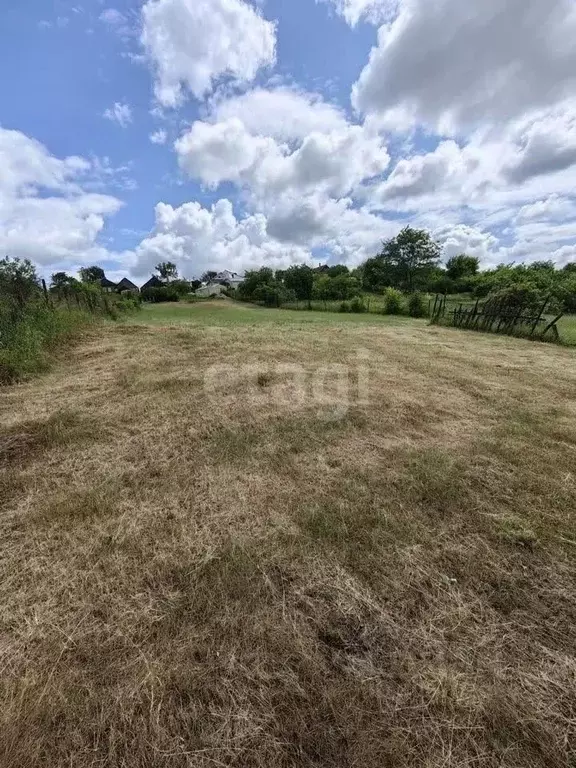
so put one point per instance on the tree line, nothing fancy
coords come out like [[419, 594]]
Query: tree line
[[409, 263]]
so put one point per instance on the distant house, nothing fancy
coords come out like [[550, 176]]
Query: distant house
[[233, 279], [154, 282], [127, 285], [212, 289], [107, 285]]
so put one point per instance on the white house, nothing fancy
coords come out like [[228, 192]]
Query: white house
[[232, 278], [211, 289]]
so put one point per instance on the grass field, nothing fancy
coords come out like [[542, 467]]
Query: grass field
[[225, 312], [229, 539]]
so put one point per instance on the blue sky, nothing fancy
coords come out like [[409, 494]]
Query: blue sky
[[228, 134]]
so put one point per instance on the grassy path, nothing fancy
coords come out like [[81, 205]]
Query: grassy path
[[246, 565]]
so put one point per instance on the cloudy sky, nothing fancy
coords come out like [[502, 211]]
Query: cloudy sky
[[235, 133]]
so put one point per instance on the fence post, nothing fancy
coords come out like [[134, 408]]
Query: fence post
[[539, 316], [45, 289]]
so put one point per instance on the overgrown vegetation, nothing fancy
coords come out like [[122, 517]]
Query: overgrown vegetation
[[517, 310], [33, 323]]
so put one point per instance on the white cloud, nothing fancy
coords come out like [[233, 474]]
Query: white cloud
[[119, 113], [159, 137], [198, 239], [451, 64], [122, 24], [282, 113], [192, 43], [448, 167], [546, 143], [553, 208], [226, 151], [113, 17], [526, 160], [45, 213], [373, 11], [335, 161], [464, 239]]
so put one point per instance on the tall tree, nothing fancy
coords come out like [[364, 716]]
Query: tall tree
[[167, 271], [461, 266], [91, 274], [300, 279], [411, 255], [61, 281], [18, 280]]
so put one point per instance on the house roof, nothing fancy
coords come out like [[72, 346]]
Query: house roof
[[105, 283], [154, 282], [127, 285]]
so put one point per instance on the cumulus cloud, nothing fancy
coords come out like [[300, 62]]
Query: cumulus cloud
[[546, 143], [335, 161], [282, 113], [199, 238], [192, 43], [465, 239], [45, 213], [446, 168], [451, 64], [119, 113]]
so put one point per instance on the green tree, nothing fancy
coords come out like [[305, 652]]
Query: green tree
[[92, 274], [337, 270], [322, 289], [411, 255], [461, 266], [300, 279], [18, 280], [378, 273], [60, 281], [167, 271], [252, 280], [207, 277]]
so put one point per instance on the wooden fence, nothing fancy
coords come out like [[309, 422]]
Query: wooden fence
[[497, 317]]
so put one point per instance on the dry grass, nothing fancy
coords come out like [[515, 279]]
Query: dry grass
[[242, 581]]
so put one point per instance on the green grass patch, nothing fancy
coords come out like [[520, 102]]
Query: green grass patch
[[229, 313]]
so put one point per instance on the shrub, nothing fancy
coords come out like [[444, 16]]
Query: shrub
[[156, 295], [357, 305], [393, 302], [28, 337], [417, 306], [515, 298], [344, 307]]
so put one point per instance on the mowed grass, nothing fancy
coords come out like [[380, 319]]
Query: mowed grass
[[225, 312], [243, 543]]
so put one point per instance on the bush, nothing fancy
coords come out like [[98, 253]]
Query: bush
[[393, 302], [28, 337], [156, 295], [344, 307], [417, 306], [357, 305], [522, 297]]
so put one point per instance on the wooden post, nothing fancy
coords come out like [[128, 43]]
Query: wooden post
[[46, 296], [553, 325], [539, 316]]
